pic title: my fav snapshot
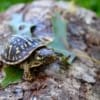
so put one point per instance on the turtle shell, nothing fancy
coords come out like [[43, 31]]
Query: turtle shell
[[19, 49]]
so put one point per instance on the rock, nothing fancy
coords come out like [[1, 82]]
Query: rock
[[77, 42], [11, 93], [73, 82], [15, 9], [82, 72], [86, 15], [95, 52]]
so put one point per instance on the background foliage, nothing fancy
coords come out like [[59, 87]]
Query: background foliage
[[90, 4]]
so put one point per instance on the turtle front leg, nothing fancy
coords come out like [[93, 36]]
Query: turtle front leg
[[27, 74]]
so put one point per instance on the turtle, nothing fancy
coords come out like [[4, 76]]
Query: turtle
[[19, 49]]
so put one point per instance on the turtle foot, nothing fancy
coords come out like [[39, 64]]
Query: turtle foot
[[27, 76]]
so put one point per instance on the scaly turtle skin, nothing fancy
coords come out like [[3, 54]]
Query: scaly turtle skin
[[41, 56], [20, 48]]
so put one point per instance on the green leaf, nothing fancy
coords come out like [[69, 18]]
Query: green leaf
[[60, 44], [13, 75]]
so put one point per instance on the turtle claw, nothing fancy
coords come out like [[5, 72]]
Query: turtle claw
[[27, 76]]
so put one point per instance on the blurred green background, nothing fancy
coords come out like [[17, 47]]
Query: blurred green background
[[90, 4]]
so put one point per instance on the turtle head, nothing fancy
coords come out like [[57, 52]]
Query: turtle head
[[45, 56]]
